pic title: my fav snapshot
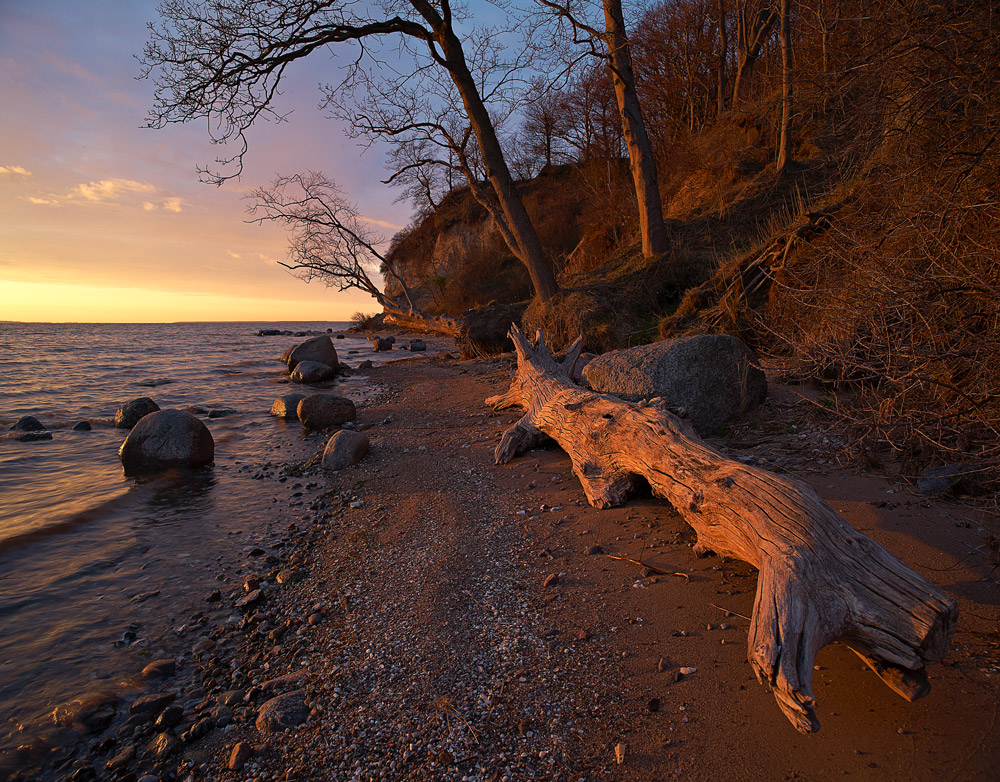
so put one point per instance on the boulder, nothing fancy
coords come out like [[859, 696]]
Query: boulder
[[380, 345], [27, 423], [82, 426], [366, 364], [321, 411], [345, 449], [285, 711], [130, 413], [28, 429], [319, 349], [167, 438], [417, 344], [712, 377], [268, 332], [286, 406], [312, 372]]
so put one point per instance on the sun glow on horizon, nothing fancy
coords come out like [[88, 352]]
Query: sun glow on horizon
[[51, 302]]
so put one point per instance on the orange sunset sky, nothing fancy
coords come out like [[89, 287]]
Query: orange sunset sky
[[104, 220]]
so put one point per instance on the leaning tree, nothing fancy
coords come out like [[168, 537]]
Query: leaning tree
[[223, 61]]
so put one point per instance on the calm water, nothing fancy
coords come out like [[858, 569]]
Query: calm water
[[87, 555]]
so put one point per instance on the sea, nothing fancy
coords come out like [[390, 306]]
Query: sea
[[99, 571]]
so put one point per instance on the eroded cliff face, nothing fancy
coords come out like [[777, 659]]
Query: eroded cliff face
[[433, 267]]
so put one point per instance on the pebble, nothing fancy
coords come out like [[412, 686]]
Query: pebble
[[595, 550], [686, 671], [241, 753], [550, 580], [152, 702]]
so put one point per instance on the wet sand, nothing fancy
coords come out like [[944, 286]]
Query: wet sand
[[418, 633]]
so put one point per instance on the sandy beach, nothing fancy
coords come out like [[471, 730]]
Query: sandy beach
[[439, 617]]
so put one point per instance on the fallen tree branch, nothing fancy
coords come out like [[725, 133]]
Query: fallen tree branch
[[651, 568], [819, 580]]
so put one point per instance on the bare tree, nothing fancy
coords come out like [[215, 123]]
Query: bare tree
[[544, 119], [223, 61], [784, 138], [618, 57], [329, 240], [754, 26]]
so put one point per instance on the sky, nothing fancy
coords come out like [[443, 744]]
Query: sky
[[105, 220]]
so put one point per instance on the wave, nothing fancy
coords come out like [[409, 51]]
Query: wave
[[94, 513]]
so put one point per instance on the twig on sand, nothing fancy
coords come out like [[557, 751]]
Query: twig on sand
[[730, 611], [651, 568]]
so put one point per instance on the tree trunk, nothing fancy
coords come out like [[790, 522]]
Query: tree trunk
[[748, 43], [786, 86], [820, 580], [640, 151], [527, 246], [437, 324], [723, 55]]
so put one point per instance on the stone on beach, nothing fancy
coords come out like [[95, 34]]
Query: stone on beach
[[286, 406], [345, 449], [318, 349], [159, 669], [712, 377], [130, 413], [284, 711], [312, 372], [167, 438], [321, 411], [380, 345]]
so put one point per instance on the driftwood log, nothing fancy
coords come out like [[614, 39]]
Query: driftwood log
[[417, 321], [820, 580]]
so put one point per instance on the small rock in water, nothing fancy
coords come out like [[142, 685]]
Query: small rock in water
[[130, 413], [286, 406], [221, 412], [159, 669], [82, 426], [28, 429], [155, 701]]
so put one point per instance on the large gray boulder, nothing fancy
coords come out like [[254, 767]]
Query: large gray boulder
[[130, 413], [286, 406], [711, 376], [322, 411], [319, 349], [167, 438], [312, 372], [345, 449]]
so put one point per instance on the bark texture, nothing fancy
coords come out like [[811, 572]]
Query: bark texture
[[640, 150], [820, 580]]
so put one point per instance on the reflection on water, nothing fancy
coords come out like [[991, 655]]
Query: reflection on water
[[86, 553]]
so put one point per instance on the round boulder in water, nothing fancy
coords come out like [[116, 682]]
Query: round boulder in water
[[321, 411], [318, 349], [130, 413], [286, 406], [167, 438], [312, 372], [345, 449], [28, 429]]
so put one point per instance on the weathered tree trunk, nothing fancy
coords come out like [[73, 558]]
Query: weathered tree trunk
[[820, 580], [438, 324], [640, 151], [784, 140]]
